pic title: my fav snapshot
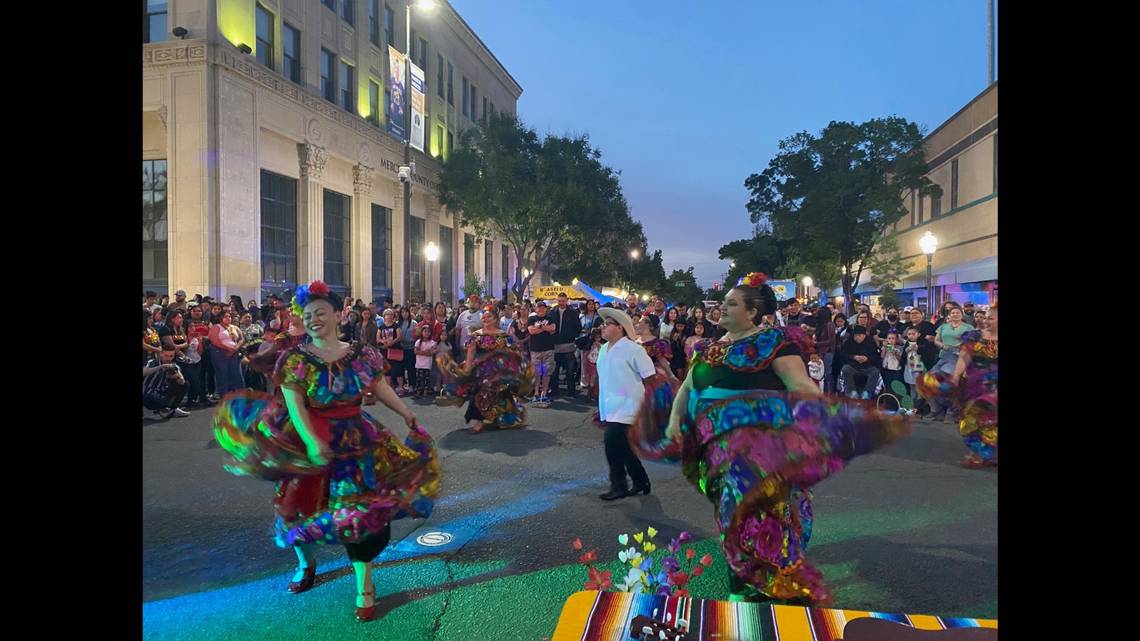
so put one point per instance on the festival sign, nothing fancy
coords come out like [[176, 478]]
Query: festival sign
[[416, 80], [552, 291], [396, 92]]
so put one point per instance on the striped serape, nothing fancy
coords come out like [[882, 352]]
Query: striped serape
[[606, 616]]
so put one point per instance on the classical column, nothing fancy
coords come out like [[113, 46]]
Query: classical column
[[311, 223], [362, 232], [399, 246]]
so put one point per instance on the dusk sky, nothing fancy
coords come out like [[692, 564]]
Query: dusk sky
[[687, 99]]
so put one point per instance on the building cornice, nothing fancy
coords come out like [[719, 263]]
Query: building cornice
[[178, 52]]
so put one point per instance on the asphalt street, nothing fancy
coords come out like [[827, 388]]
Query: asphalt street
[[901, 530]]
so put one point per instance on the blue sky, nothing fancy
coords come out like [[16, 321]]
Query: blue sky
[[687, 99]]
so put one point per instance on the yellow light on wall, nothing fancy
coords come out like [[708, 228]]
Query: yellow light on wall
[[237, 23]]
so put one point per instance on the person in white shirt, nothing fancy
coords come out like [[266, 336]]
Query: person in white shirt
[[623, 368], [468, 322]]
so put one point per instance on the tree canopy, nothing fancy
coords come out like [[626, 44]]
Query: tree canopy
[[552, 199], [832, 197]]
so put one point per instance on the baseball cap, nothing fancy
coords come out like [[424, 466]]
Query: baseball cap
[[908, 308]]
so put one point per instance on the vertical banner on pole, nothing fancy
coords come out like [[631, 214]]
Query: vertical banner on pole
[[397, 92], [416, 86]]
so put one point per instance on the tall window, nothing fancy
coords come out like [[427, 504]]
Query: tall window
[[416, 282], [291, 52], [387, 104], [278, 233], [489, 264], [450, 86], [338, 244], [374, 21], [264, 37], [389, 26], [423, 55], [506, 260], [484, 108], [347, 12], [921, 206], [995, 163], [347, 84], [468, 254], [328, 75], [492, 107], [473, 102], [464, 96], [954, 184], [374, 103], [154, 225], [450, 141], [439, 140], [439, 75], [935, 207], [913, 208], [154, 20], [381, 252], [446, 264]]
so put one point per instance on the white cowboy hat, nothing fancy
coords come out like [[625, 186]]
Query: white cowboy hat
[[621, 317]]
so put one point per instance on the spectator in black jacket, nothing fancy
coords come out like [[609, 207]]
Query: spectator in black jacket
[[860, 356], [569, 325]]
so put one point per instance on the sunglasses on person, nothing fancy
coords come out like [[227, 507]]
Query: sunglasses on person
[[610, 322]]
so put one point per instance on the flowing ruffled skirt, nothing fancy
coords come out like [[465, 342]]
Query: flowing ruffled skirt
[[371, 479], [496, 382], [647, 433], [975, 398], [755, 455]]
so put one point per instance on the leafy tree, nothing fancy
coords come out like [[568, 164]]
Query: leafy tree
[[888, 297], [887, 265], [472, 285], [539, 196], [833, 196], [681, 286]]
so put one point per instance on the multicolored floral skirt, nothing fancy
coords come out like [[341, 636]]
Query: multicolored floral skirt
[[371, 479], [647, 431], [975, 398], [754, 455], [495, 382]]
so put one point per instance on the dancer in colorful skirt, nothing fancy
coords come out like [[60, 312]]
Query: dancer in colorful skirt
[[341, 476], [754, 433], [973, 388], [661, 389], [493, 380]]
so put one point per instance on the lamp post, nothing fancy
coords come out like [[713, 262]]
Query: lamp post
[[929, 244], [807, 281], [431, 252], [633, 254], [424, 5]]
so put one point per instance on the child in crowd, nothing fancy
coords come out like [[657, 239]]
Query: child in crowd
[[677, 340], [698, 335], [815, 370], [425, 352], [914, 367], [590, 364], [892, 358]]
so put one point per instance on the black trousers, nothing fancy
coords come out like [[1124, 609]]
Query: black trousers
[[175, 391], [621, 458], [564, 363], [370, 548]]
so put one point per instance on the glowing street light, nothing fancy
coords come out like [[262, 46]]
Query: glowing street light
[[929, 244], [431, 252]]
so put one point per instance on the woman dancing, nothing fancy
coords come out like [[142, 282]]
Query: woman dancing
[[754, 433], [973, 388], [660, 389], [494, 378], [341, 476]]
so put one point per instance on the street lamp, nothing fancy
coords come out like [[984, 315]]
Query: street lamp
[[807, 281], [423, 5], [431, 252], [929, 244], [633, 254]]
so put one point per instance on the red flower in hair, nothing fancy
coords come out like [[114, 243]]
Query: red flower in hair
[[753, 279], [319, 288]]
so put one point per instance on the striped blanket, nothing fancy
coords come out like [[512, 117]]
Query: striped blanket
[[606, 616]]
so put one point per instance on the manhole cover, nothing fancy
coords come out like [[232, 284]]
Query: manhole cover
[[433, 539]]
